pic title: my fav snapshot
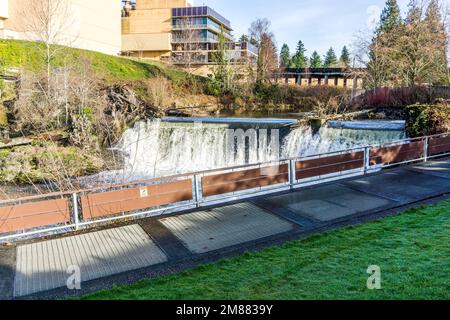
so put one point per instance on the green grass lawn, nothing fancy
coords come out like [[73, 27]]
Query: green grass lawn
[[31, 56], [412, 250]]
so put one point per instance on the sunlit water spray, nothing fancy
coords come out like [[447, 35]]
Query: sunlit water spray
[[157, 149]]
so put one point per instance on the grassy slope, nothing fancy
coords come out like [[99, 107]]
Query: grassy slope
[[412, 250], [31, 56]]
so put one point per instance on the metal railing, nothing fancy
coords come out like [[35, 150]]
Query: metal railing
[[54, 213]]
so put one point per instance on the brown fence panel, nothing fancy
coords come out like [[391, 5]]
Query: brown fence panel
[[34, 215], [438, 145], [404, 152], [244, 180], [104, 204], [327, 165]]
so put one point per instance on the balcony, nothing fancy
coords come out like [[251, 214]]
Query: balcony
[[188, 38], [183, 59], [218, 30], [247, 46]]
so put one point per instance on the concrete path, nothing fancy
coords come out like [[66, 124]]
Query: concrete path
[[206, 231], [46, 265], [163, 245]]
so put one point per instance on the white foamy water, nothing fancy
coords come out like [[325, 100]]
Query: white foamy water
[[302, 142], [158, 149]]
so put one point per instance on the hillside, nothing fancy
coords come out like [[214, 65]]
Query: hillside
[[31, 57]]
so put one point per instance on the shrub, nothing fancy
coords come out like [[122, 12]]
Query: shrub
[[159, 91], [428, 119], [300, 98]]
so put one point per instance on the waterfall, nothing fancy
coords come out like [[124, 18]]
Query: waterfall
[[157, 149], [302, 142]]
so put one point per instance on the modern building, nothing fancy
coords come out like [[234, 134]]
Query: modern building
[[176, 31], [92, 25]]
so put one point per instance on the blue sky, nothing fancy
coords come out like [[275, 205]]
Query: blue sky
[[318, 23]]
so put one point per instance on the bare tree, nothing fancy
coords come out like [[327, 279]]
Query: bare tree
[[267, 59], [49, 22], [258, 29], [264, 40], [374, 60]]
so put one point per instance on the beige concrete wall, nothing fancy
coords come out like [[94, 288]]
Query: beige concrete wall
[[3, 9], [349, 83], [146, 42], [91, 25], [148, 21], [147, 30], [332, 81], [99, 25]]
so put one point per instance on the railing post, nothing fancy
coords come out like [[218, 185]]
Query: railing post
[[292, 174], [76, 217], [366, 159], [425, 150], [197, 192]]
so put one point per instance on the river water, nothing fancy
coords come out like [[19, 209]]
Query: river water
[[162, 148]]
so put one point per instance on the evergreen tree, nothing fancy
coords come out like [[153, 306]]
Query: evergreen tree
[[345, 58], [224, 74], [315, 61], [415, 12], [330, 59], [390, 17], [383, 51], [244, 38], [285, 56], [410, 51], [299, 60]]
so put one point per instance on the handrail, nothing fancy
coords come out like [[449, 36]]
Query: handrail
[[199, 198], [189, 174]]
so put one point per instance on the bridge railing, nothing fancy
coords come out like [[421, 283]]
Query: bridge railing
[[54, 213]]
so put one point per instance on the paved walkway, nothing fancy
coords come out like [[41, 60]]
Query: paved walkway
[[161, 245]]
